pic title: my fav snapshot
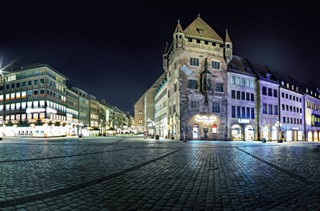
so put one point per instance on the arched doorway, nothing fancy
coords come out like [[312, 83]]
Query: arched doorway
[[315, 136], [265, 132], [274, 134], [236, 133], [249, 133], [195, 132], [310, 136]]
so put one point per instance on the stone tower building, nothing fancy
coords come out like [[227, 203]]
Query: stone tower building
[[196, 68]]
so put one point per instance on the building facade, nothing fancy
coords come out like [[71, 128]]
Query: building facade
[[212, 94]]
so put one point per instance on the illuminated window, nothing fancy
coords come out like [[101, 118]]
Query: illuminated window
[[23, 105], [17, 116], [13, 106], [1, 107], [13, 96], [29, 104], [41, 103], [18, 95], [18, 106], [23, 94], [35, 116], [1, 97], [23, 116], [13, 117], [8, 107], [7, 96], [35, 104]]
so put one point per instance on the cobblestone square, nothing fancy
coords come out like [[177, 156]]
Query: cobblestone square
[[131, 173]]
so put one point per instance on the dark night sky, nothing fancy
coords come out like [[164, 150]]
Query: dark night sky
[[115, 53]]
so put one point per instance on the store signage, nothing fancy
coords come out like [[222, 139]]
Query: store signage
[[51, 110], [35, 110], [244, 121], [295, 128], [205, 118]]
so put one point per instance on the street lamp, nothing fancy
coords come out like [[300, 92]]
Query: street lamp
[[279, 125]]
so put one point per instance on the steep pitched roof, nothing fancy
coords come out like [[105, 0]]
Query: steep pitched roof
[[240, 65], [227, 36], [199, 28], [178, 27]]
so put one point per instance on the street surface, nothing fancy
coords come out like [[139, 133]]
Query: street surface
[[132, 173]]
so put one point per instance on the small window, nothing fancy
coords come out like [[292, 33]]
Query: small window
[[219, 87], [23, 83], [192, 84], [264, 90], [233, 94], [216, 65], [216, 107], [264, 108], [194, 61], [270, 92], [29, 83], [275, 93], [252, 97], [12, 86]]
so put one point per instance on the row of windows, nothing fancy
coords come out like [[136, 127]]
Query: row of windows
[[291, 108], [270, 109], [34, 82], [313, 106], [242, 95], [242, 112], [34, 116], [192, 84], [32, 104], [242, 81], [291, 120], [291, 97], [35, 92], [214, 64], [271, 92], [195, 106]]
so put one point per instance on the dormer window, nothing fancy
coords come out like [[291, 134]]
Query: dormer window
[[268, 76], [282, 83], [288, 86], [292, 87], [200, 31]]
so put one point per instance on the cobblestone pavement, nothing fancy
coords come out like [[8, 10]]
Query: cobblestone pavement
[[130, 173]]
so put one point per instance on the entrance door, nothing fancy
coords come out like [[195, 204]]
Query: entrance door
[[249, 133], [265, 132], [295, 135], [195, 133], [274, 133], [310, 136], [236, 133], [315, 136]]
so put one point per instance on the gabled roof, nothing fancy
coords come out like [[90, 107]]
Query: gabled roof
[[240, 65], [263, 72], [199, 28]]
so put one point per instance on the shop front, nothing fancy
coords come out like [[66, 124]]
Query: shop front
[[205, 127], [294, 134], [244, 130]]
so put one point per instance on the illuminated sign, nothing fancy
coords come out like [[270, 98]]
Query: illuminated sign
[[205, 118], [245, 121], [295, 128], [35, 110], [51, 110]]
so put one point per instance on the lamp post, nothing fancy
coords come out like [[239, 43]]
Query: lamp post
[[279, 125]]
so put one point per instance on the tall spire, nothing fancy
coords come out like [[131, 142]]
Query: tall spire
[[178, 27], [227, 36]]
